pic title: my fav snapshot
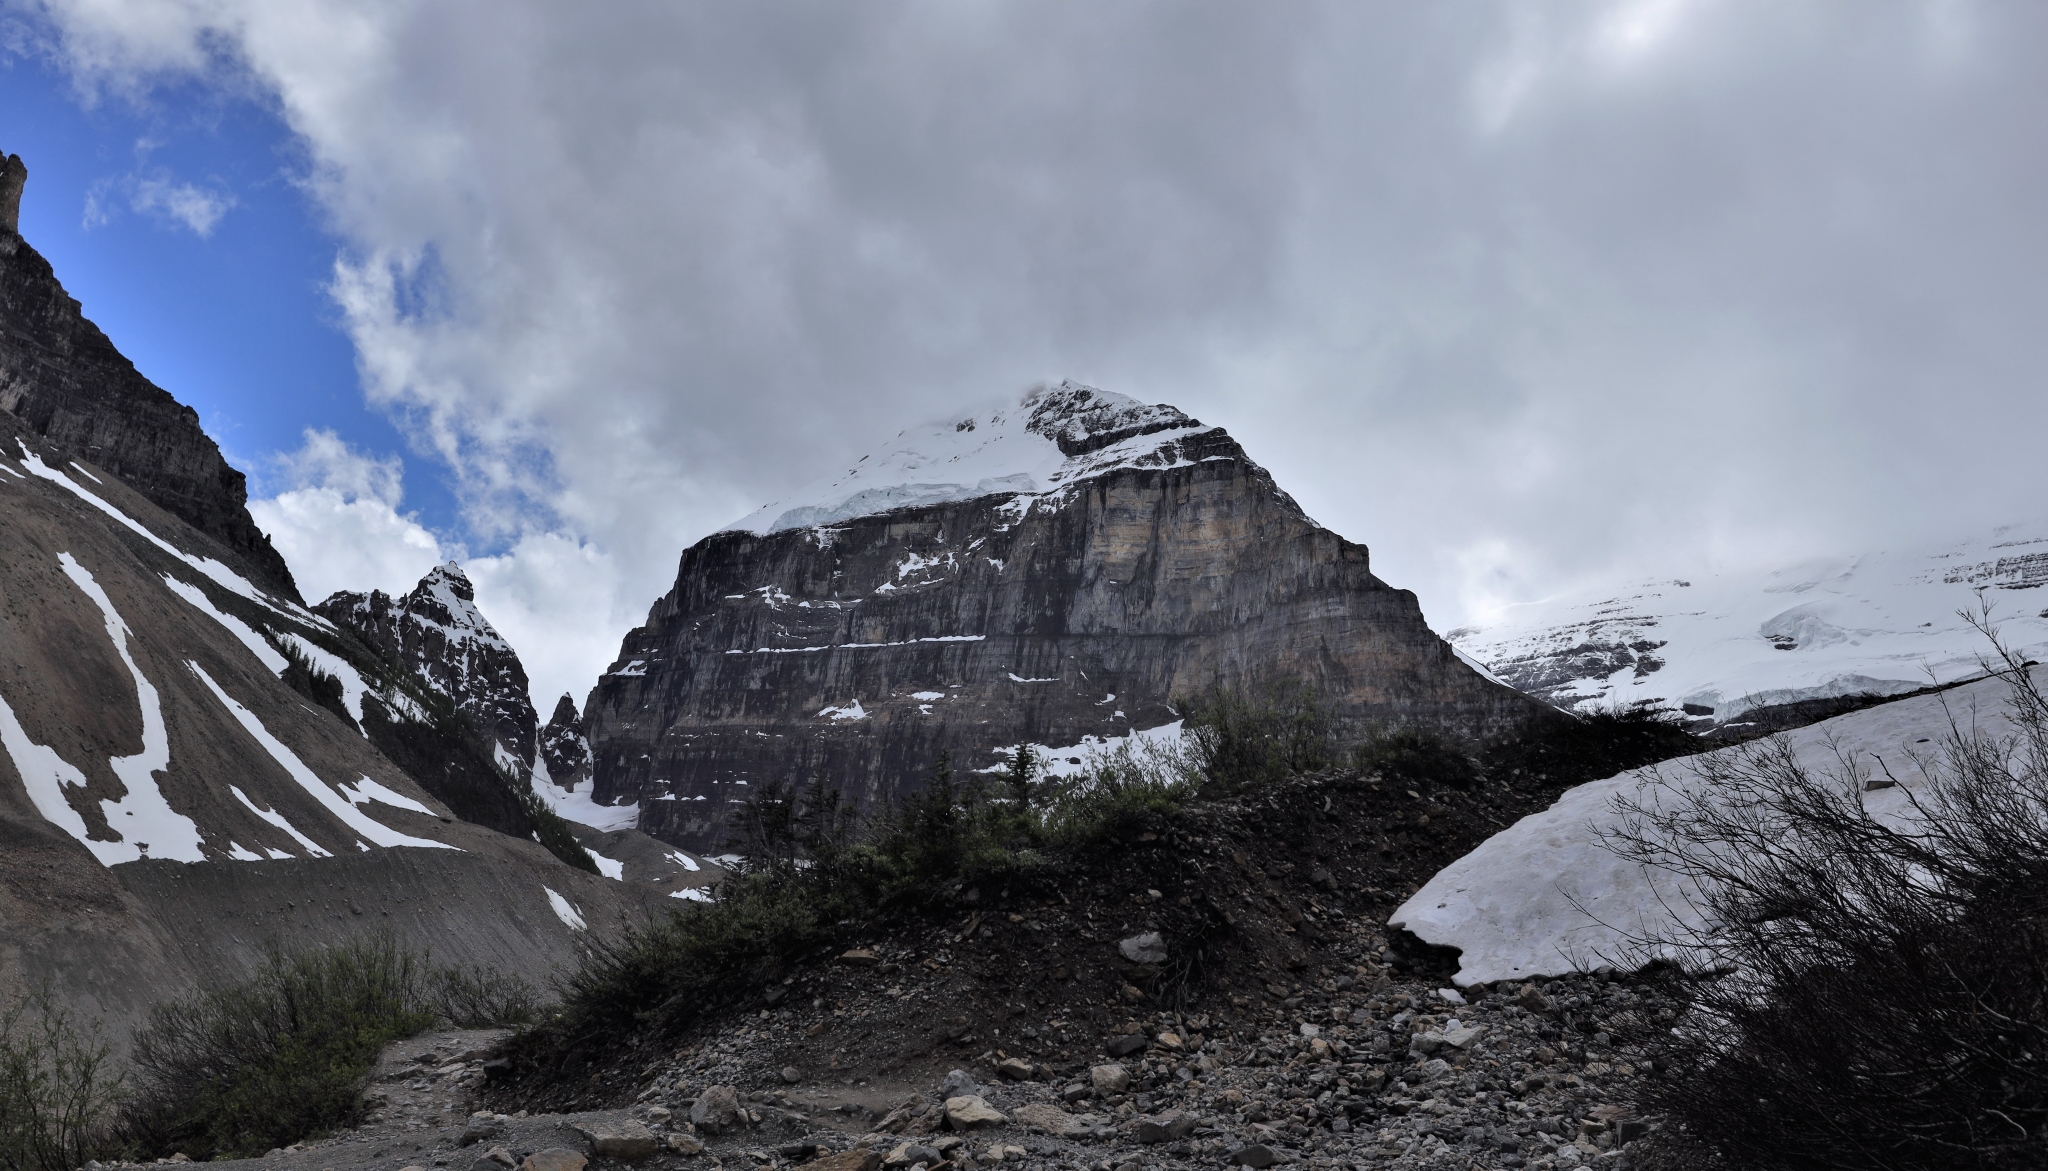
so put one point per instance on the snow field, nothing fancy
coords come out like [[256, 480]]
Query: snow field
[[1544, 898]]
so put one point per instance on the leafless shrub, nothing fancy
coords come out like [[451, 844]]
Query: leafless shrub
[[59, 1088], [1869, 982]]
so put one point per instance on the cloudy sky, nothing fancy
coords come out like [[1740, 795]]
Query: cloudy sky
[[1522, 295]]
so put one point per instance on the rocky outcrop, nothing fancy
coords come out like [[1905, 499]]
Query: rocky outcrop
[[67, 383], [1061, 572], [437, 635], [563, 746], [475, 687], [13, 176]]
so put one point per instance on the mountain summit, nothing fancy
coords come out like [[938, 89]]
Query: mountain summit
[[1056, 436], [1060, 571]]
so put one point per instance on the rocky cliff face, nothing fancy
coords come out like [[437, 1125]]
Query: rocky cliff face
[[437, 634], [66, 382], [1056, 573], [437, 637]]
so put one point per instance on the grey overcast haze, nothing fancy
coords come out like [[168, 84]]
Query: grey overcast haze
[[1524, 296]]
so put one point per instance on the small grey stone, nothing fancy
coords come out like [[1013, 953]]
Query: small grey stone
[[956, 1083], [1148, 948], [716, 1110], [1258, 1155], [1126, 1045], [1165, 1128]]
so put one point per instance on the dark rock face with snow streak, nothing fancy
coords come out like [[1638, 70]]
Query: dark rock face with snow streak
[[437, 634], [563, 747], [1136, 558], [67, 383]]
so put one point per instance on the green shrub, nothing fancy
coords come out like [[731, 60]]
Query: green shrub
[[285, 1054], [1242, 739], [1120, 794], [704, 956], [949, 834], [477, 997], [58, 1087]]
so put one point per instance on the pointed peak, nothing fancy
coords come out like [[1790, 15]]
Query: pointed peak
[[452, 578], [566, 714]]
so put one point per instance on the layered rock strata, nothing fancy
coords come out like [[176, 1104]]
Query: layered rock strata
[[1059, 573], [66, 382]]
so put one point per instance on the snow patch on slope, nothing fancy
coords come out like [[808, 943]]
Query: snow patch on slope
[[353, 688], [565, 910], [578, 804], [220, 574], [1543, 898], [278, 819], [343, 809], [142, 823], [1073, 759], [1022, 449]]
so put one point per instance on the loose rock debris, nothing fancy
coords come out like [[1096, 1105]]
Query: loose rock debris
[[1282, 1027]]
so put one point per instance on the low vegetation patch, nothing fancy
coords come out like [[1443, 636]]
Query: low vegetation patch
[[59, 1090], [815, 877], [277, 1058], [266, 1062], [1871, 991], [304, 676]]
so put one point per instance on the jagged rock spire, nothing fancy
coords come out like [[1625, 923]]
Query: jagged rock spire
[[13, 177]]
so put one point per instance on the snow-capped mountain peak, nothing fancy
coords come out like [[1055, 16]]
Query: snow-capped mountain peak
[[1055, 437], [440, 635], [445, 599]]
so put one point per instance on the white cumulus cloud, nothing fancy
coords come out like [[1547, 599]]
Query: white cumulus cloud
[[338, 524]]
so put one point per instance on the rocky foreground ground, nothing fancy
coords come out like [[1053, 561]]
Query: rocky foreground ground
[[1361, 1071], [1218, 992]]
